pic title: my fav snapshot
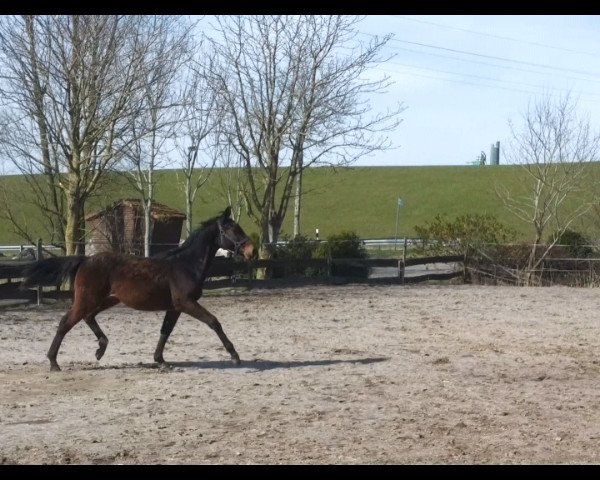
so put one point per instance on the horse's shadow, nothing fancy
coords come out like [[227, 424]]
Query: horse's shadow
[[262, 365], [256, 365]]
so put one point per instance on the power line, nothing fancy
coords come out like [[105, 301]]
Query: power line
[[500, 37], [529, 92], [503, 59], [495, 65], [490, 78], [456, 81]]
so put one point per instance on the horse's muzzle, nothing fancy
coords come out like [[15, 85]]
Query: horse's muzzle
[[247, 250]]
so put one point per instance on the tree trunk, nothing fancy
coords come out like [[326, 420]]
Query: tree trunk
[[147, 227], [74, 232], [530, 277], [188, 204], [297, 204], [270, 229]]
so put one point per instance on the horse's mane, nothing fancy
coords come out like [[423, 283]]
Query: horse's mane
[[192, 242]]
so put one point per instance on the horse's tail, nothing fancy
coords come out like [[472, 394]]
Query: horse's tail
[[52, 271]]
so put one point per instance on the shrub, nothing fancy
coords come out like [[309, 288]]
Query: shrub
[[298, 248], [463, 234], [344, 245], [576, 244]]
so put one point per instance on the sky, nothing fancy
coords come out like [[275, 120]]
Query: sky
[[462, 77]]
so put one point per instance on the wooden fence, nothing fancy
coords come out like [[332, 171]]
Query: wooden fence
[[229, 272]]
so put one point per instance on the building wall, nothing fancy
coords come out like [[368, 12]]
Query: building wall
[[122, 230], [106, 233], [166, 235]]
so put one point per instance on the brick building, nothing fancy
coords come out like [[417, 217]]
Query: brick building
[[120, 228]]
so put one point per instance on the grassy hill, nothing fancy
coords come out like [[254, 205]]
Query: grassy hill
[[359, 199]]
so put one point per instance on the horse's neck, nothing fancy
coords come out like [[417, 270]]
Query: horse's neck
[[203, 258], [208, 256]]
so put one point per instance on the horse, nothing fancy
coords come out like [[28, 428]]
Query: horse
[[171, 281]]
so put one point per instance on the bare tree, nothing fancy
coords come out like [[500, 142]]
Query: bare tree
[[196, 142], [232, 176], [165, 49], [69, 90], [554, 147], [294, 94]]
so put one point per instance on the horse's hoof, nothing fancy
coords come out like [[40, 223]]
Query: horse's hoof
[[165, 366], [99, 354], [236, 361], [54, 368]]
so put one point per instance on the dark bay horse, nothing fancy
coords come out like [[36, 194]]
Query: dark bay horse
[[171, 281]]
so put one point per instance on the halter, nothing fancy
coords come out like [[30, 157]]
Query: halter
[[236, 244]]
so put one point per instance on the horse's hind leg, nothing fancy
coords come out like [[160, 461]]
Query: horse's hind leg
[[93, 324], [197, 311], [167, 327], [67, 322]]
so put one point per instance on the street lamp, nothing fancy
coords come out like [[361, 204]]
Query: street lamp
[[400, 204]]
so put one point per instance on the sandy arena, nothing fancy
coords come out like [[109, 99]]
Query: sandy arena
[[429, 374]]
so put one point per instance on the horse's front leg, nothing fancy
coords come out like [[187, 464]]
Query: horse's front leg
[[167, 327], [90, 319], [195, 310]]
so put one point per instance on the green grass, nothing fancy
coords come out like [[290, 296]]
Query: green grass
[[359, 199]]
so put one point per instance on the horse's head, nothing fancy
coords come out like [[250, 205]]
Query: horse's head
[[232, 237]]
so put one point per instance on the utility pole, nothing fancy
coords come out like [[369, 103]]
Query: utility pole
[[400, 204]]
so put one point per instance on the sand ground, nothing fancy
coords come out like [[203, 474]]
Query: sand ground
[[424, 374]]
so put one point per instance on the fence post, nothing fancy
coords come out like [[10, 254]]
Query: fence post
[[38, 258], [250, 270], [329, 262], [401, 268], [402, 263]]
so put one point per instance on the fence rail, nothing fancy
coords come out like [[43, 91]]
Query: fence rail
[[502, 268], [550, 271], [19, 248], [225, 271]]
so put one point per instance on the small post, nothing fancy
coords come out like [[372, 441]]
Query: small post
[[250, 273], [329, 262], [38, 258], [399, 204], [401, 269], [402, 263]]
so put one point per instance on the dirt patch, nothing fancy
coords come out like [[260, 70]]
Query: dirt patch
[[345, 374]]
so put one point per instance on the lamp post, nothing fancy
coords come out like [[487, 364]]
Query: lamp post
[[400, 204]]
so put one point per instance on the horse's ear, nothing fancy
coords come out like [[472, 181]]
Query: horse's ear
[[226, 213]]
